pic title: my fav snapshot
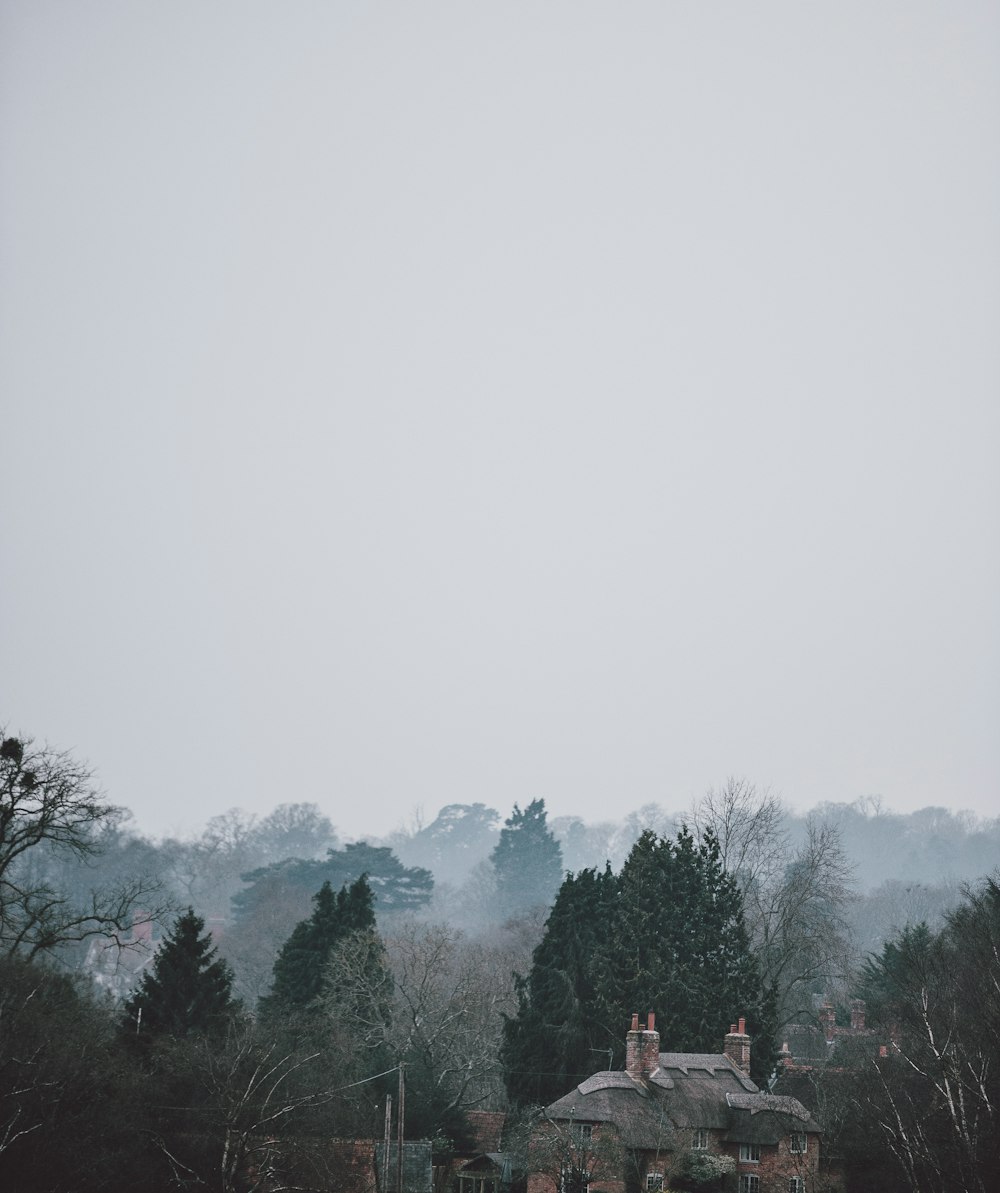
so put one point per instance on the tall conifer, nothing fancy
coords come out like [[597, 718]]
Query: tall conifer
[[678, 945], [665, 935], [527, 860], [299, 969], [556, 1037], [187, 990]]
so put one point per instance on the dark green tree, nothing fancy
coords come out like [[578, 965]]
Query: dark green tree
[[665, 935], [187, 991], [300, 969], [556, 1037], [72, 1114], [397, 887], [527, 860], [678, 945]]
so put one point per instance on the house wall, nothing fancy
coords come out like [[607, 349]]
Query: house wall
[[777, 1163]]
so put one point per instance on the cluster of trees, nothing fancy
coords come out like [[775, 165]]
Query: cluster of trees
[[665, 934], [340, 966], [933, 1102]]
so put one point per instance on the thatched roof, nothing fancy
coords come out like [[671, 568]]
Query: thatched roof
[[689, 1090]]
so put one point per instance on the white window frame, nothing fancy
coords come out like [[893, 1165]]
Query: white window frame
[[798, 1143], [700, 1141], [582, 1133], [475, 1183], [654, 1180], [749, 1183], [796, 1184], [750, 1153]]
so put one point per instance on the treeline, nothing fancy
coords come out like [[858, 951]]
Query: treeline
[[294, 976]]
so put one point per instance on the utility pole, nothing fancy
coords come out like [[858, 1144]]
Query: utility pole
[[385, 1143], [399, 1129]]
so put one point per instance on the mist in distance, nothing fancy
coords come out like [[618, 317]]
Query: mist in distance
[[406, 408]]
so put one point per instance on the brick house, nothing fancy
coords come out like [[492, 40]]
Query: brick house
[[675, 1120]]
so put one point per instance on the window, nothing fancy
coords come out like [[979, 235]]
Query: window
[[477, 1184], [750, 1151], [654, 1180], [582, 1132], [700, 1141], [798, 1142], [796, 1185], [749, 1183]]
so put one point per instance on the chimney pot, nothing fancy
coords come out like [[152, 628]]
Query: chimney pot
[[737, 1047], [642, 1048]]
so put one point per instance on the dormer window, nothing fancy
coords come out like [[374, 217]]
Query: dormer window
[[750, 1152], [700, 1140], [798, 1143]]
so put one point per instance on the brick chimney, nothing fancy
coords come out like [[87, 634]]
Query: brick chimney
[[737, 1046], [642, 1047], [828, 1021], [857, 1014]]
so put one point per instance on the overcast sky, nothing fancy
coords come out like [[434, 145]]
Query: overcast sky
[[406, 404]]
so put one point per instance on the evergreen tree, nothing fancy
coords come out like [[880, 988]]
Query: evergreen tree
[[399, 888], [678, 945], [527, 860], [299, 971], [665, 935], [556, 1037], [188, 990]]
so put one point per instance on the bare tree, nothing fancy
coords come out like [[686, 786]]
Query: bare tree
[[794, 898], [207, 871], [436, 1004], [51, 815], [570, 1155], [254, 1089], [936, 1096]]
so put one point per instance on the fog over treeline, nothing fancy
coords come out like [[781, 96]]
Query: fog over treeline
[[252, 876]]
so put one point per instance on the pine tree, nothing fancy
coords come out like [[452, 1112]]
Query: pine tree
[[299, 971], [527, 860], [188, 990], [678, 945], [399, 887], [556, 1037], [665, 935]]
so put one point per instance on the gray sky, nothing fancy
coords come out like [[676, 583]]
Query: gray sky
[[406, 404]]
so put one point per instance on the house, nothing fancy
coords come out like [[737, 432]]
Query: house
[[675, 1120], [484, 1169], [116, 964], [822, 1042], [486, 1173]]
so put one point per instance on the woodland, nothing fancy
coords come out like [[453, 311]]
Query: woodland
[[209, 1012]]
